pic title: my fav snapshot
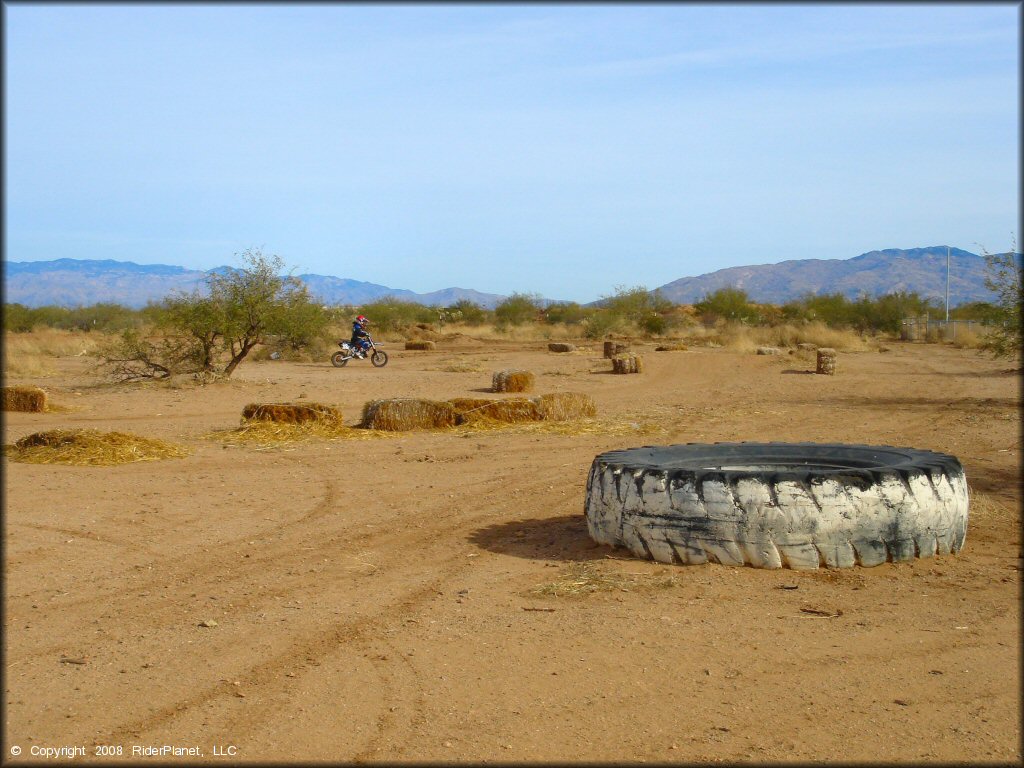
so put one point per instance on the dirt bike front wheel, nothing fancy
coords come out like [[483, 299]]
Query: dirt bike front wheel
[[338, 360], [379, 358]]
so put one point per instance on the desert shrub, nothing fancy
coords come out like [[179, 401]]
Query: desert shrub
[[18, 318], [601, 324], [242, 308], [637, 310], [392, 315], [566, 313], [466, 311], [1005, 278], [730, 304], [517, 309]]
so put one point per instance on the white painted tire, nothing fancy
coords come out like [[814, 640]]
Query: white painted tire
[[774, 505]]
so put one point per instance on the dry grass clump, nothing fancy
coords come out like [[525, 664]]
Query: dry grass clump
[[966, 338], [420, 345], [512, 381], [581, 579], [744, 338], [24, 399], [288, 413], [565, 406], [400, 414], [670, 348], [90, 447], [32, 354], [512, 410]]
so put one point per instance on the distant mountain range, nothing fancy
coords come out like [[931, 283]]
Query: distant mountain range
[[74, 282], [920, 270], [77, 283]]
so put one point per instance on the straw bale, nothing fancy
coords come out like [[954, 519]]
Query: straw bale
[[24, 399], [627, 364], [512, 381], [557, 346], [768, 350], [671, 348], [806, 346], [423, 344], [288, 413], [400, 414], [613, 349], [512, 410], [565, 406], [91, 447], [827, 361]]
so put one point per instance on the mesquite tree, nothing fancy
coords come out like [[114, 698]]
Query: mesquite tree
[[241, 308], [1005, 279]]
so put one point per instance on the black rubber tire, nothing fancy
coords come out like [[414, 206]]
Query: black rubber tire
[[338, 360], [772, 505], [379, 358]]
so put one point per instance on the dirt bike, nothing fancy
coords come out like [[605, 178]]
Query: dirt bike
[[378, 357]]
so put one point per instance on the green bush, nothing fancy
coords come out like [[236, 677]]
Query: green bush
[[567, 313], [390, 314], [727, 304], [517, 309]]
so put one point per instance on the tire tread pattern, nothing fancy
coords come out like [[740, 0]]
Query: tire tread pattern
[[806, 519]]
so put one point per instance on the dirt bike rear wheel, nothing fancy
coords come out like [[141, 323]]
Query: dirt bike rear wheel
[[338, 360], [379, 358]]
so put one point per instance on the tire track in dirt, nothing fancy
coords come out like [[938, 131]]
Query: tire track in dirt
[[307, 652], [80, 534]]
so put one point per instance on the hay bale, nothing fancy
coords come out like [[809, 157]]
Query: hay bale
[[826, 361], [401, 414], [613, 349], [24, 399], [91, 447], [513, 410], [288, 413], [670, 348], [425, 345], [565, 406], [627, 364], [768, 350], [512, 381], [561, 347], [806, 346]]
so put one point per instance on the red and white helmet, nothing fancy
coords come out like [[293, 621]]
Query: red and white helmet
[[362, 320]]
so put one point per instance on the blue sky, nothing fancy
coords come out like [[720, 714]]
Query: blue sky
[[554, 149]]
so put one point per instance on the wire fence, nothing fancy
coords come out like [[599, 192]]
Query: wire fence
[[926, 329]]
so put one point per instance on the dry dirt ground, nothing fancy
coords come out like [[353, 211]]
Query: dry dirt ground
[[391, 599]]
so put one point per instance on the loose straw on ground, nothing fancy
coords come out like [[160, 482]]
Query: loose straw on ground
[[90, 447]]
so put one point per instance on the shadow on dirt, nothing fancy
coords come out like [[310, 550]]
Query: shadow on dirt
[[794, 370], [996, 480], [556, 539]]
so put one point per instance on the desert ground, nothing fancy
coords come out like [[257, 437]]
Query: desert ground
[[434, 596]]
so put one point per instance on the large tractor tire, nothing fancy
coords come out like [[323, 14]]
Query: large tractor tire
[[774, 505]]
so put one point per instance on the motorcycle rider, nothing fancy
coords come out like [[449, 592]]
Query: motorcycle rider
[[360, 337]]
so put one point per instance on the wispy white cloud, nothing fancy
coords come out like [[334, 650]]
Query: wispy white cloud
[[799, 47]]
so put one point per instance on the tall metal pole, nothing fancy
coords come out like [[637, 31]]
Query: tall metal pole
[[947, 284]]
